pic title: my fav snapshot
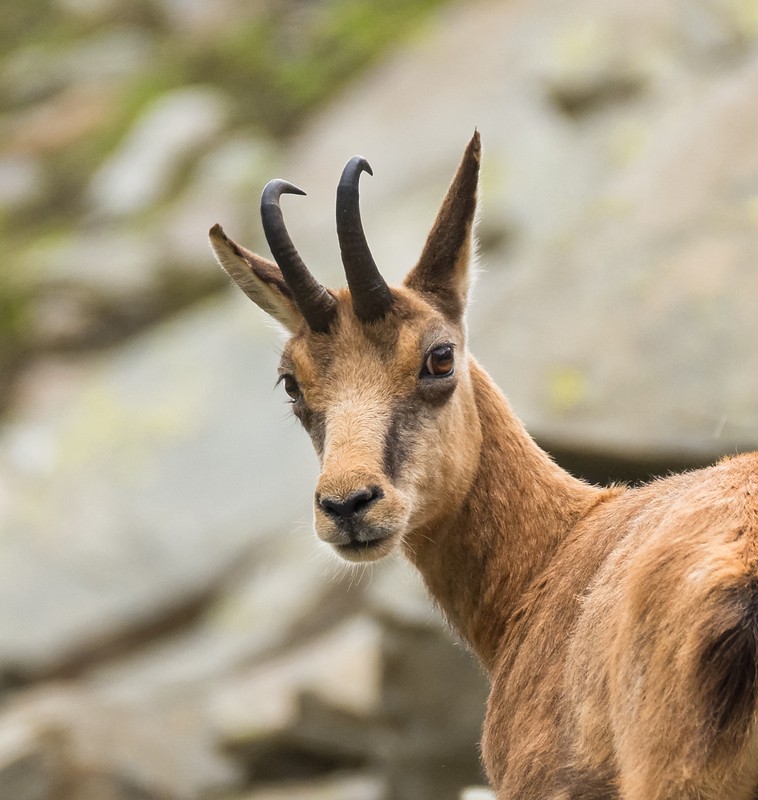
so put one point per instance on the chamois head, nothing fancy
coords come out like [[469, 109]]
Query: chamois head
[[378, 376]]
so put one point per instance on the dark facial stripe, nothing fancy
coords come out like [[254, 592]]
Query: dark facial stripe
[[400, 437], [407, 419], [317, 430], [314, 423]]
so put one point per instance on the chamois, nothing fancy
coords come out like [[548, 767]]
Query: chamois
[[618, 626]]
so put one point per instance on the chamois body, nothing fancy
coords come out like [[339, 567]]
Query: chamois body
[[618, 627], [600, 616]]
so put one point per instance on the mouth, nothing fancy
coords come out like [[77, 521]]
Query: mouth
[[362, 549], [358, 551], [361, 538]]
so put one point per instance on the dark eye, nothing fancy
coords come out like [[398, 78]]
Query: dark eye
[[440, 362], [291, 387]]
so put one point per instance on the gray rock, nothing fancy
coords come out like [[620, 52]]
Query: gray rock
[[617, 208], [169, 131], [109, 262], [129, 493], [32, 766], [342, 787], [222, 184], [477, 793], [105, 280], [61, 742], [361, 694], [343, 669], [659, 270], [21, 181], [255, 613], [38, 70]]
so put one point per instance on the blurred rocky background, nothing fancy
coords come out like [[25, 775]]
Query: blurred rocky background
[[169, 629]]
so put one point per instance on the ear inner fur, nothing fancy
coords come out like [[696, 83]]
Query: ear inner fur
[[260, 279]]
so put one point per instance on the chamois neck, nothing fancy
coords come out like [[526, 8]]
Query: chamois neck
[[479, 560]]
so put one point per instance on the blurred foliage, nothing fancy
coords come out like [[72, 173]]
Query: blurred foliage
[[286, 61], [274, 62], [278, 62]]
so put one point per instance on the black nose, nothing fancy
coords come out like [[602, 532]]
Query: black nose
[[346, 507]]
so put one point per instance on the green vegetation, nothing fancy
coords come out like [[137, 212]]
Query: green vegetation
[[275, 62], [279, 66]]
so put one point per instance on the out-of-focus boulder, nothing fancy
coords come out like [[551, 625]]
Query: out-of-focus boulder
[[126, 494], [365, 694], [21, 181], [304, 676], [161, 142], [477, 793], [34, 72], [342, 787], [61, 743], [618, 226]]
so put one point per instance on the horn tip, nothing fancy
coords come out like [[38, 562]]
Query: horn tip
[[277, 187], [361, 164]]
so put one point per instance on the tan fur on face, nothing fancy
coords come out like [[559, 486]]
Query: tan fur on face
[[357, 381]]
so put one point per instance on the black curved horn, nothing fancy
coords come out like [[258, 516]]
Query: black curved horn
[[370, 294], [315, 303]]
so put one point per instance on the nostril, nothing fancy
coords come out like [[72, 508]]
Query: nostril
[[351, 505]]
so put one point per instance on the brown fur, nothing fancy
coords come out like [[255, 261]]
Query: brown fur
[[619, 627]]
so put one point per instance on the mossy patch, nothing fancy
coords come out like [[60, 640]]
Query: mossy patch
[[282, 64], [567, 388], [276, 64]]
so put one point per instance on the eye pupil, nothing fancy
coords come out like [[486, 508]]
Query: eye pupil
[[291, 387], [440, 361]]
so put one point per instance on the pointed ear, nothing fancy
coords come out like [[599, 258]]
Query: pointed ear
[[443, 271], [261, 280]]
